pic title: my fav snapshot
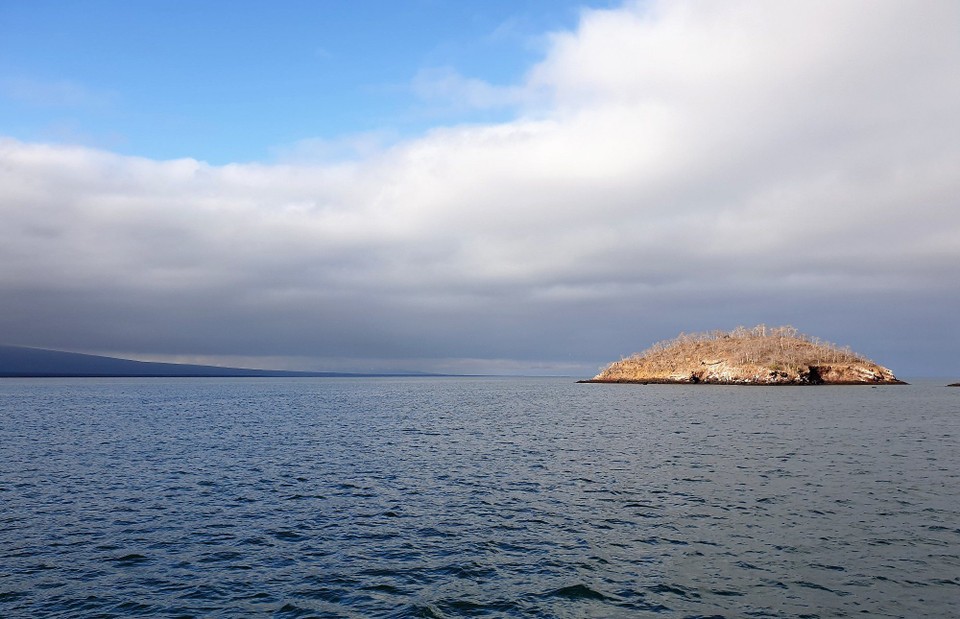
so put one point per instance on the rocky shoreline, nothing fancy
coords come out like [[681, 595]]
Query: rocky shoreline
[[754, 383]]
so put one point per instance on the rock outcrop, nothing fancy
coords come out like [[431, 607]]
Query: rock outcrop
[[758, 356]]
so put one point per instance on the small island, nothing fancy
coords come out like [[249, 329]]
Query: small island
[[757, 356]]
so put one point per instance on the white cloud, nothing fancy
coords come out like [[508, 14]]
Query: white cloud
[[317, 151], [446, 86], [689, 153], [53, 92]]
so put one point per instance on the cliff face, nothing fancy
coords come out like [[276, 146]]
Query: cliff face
[[759, 356]]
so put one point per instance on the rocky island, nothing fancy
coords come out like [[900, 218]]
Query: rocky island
[[757, 356]]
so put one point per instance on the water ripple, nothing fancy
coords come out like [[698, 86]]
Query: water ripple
[[475, 497]]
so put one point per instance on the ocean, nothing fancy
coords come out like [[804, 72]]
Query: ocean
[[468, 497]]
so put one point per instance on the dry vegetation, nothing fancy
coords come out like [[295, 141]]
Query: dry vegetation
[[758, 355], [757, 346]]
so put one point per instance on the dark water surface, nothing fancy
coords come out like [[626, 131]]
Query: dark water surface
[[476, 497]]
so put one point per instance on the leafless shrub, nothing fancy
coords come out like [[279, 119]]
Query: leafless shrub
[[777, 347]]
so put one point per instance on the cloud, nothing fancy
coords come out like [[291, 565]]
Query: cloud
[[673, 165], [54, 93], [444, 85], [345, 148]]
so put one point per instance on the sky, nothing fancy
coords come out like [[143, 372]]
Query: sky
[[521, 187]]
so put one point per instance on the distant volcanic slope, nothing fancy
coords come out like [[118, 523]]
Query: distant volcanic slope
[[757, 356]]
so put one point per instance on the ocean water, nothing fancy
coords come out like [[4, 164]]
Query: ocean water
[[494, 497]]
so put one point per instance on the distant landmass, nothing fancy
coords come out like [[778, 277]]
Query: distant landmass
[[757, 356], [22, 362]]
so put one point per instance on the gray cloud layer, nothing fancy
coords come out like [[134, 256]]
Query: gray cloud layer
[[675, 166]]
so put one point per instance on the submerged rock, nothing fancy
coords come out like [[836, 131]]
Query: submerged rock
[[758, 356]]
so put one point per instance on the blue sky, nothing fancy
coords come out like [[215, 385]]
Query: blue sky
[[528, 186], [236, 81]]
